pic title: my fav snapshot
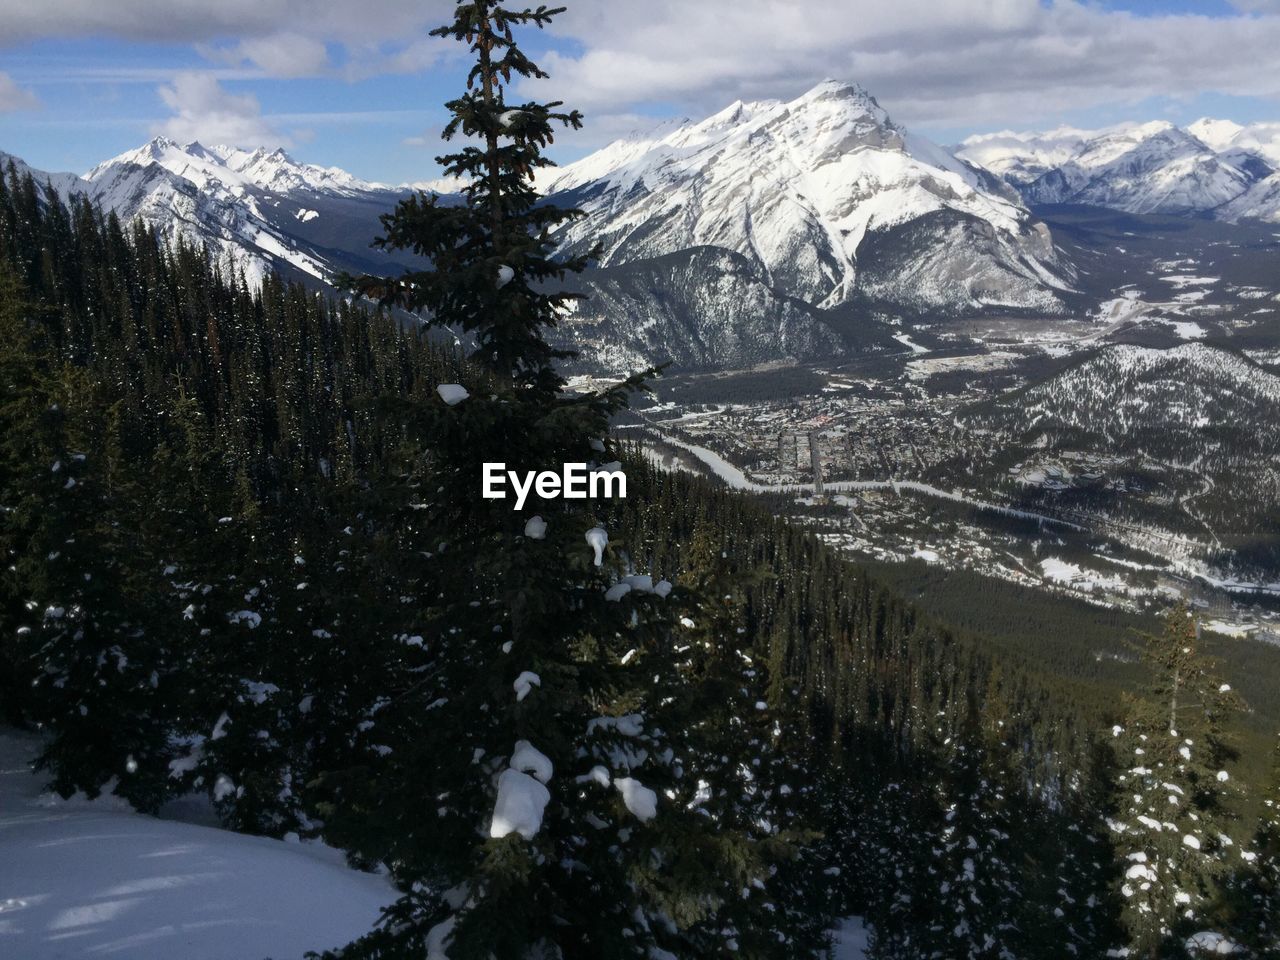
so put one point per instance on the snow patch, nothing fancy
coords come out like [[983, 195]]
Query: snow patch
[[519, 806], [639, 799], [452, 393]]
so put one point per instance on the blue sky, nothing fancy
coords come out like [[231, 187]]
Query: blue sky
[[359, 85]]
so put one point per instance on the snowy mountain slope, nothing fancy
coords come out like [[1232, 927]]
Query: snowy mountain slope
[[83, 878], [1192, 387], [1258, 139], [1152, 168], [61, 182], [186, 198], [1022, 158], [278, 172], [238, 170], [1194, 407], [248, 205], [259, 208], [1184, 440], [1256, 148], [1260, 202], [1139, 168], [699, 308], [800, 190]]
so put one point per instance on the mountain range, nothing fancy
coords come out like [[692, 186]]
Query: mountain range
[[1211, 167], [260, 207], [771, 230]]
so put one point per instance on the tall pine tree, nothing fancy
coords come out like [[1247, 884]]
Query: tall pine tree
[[538, 797], [1172, 803]]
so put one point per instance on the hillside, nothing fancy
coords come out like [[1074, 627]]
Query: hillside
[[302, 578], [1186, 438]]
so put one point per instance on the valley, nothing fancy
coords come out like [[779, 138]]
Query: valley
[[1126, 458]]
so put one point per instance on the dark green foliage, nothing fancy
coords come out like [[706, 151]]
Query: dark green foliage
[[1173, 793], [501, 227], [173, 446], [1252, 895]]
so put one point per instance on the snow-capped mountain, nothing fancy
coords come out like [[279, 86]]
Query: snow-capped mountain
[[63, 183], [1212, 166], [1022, 158], [1226, 136], [1257, 148], [260, 208], [814, 194], [271, 170]]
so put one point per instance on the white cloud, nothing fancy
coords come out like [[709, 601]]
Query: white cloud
[[203, 110], [196, 22], [14, 97], [285, 38], [279, 55], [374, 59], [938, 63], [947, 63]]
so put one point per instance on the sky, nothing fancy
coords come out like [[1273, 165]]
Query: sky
[[359, 84]]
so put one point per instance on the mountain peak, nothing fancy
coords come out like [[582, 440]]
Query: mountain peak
[[845, 93], [155, 148], [1217, 134], [831, 88], [1154, 167], [843, 114], [795, 188]]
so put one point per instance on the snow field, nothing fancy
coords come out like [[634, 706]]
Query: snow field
[[94, 879]]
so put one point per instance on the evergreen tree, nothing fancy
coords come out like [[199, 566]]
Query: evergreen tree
[[491, 256], [1254, 892], [1266, 898], [1172, 796], [742, 744], [1068, 904], [26, 374], [540, 792], [972, 880]]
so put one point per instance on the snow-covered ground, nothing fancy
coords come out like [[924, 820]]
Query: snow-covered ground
[[93, 879], [851, 940], [1237, 630], [910, 344], [1072, 575]]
